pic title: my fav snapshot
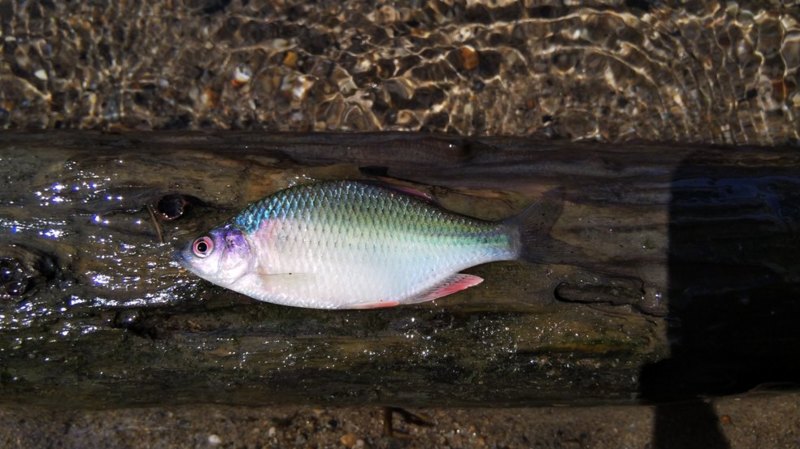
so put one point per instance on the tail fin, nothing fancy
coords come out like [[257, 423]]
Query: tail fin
[[534, 226]]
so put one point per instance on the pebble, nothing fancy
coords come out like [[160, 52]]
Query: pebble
[[469, 57], [214, 440], [208, 98], [796, 100], [272, 432], [296, 87], [290, 60], [241, 75], [41, 74], [348, 439]]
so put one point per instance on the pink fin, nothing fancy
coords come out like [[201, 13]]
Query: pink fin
[[451, 285], [408, 190], [377, 305], [413, 192]]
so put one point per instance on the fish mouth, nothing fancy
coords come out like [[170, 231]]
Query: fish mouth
[[184, 262], [179, 258]]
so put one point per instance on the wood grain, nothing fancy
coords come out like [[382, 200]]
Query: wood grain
[[95, 313]]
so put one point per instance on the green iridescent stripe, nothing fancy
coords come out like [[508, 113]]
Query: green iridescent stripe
[[373, 209]]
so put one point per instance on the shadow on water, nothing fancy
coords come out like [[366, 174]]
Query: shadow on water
[[734, 282]]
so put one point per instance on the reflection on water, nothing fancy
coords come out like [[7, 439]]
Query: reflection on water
[[47, 261], [700, 72]]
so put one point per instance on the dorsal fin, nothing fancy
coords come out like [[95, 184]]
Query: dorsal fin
[[404, 189]]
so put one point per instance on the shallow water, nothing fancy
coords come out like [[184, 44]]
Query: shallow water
[[609, 70]]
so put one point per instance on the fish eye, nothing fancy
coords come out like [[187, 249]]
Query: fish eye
[[203, 246]]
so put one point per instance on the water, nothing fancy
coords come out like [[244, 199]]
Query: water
[[609, 71]]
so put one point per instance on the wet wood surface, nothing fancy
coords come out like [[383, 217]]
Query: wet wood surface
[[94, 312]]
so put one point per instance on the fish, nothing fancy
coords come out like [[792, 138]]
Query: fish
[[358, 245]]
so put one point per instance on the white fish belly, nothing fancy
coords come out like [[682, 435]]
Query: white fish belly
[[317, 265]]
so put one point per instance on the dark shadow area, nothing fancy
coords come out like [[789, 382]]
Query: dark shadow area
[[734, 289]]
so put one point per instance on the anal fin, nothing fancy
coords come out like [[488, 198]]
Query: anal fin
[[451, 285]]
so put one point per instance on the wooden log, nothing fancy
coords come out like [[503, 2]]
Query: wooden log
[[95, 313]]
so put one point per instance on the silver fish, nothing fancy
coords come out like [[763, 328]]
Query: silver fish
[[350, 245]]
